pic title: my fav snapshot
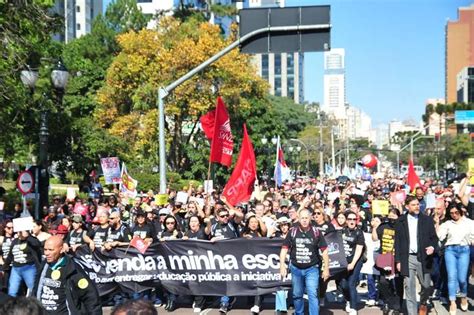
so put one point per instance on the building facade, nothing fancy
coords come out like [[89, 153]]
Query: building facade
[[335, 83], [465, 85], [78, 16], [459, 49]]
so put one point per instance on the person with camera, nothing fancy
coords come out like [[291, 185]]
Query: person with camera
[[304, 242]]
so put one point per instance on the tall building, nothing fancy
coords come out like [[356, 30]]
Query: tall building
[[78, 16], [334, 83], [358, 123], [465, 85], [379, 136], [284, 72], [459, 49]]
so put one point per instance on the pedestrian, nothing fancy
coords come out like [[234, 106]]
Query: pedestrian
[[415, 243], [458, 234], [62, 286], [303, 242]]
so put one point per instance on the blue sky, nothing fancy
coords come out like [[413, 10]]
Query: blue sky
[[394, 53]]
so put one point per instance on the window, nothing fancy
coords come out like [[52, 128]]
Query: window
[[277, 64], [78, 8], [278, 86], [78, 26], [265, 67]]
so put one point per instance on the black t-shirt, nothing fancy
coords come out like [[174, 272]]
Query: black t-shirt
[[225, 231], [386, 235], [7, 242], [99, 236], [171, 235], [145, 231], [122, 234], [324, 228], [351, 238], [53, 293], [25, 252], [304, 246], [198, 235], [470, 210], [76, 238]]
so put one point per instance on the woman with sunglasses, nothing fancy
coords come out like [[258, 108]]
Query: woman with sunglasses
[[171, 232], [6, 239], [354, 242], [458, 235], [324, 226]]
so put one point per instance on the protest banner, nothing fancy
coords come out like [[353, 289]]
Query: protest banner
[[23, 224], [238, 267], [380, 207], [111, 169], [161, 199], [337, 257]]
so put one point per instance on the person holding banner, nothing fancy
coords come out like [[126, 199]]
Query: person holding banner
[[304, 242]]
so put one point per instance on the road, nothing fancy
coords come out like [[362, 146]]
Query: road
[[334, 307]]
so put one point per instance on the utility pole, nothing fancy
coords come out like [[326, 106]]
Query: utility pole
[[332, 151], [321, 159]]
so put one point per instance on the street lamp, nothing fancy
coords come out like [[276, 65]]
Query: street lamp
[[59, 78]]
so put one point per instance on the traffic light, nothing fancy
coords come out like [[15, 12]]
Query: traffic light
[[437, 137]]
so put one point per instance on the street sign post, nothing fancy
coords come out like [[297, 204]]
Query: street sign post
[[25, 184]]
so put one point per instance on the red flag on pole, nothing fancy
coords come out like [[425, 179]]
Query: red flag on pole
[[240, 185], [139, 244], [216, 126], [412, 178]]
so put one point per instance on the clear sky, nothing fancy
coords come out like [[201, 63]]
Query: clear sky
[[394, 53]]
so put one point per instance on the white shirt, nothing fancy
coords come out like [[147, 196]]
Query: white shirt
[[413, 233], [457, 233]]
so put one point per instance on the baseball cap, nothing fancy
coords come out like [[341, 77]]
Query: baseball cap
[[77, 218], [164, 211], [283, 220]]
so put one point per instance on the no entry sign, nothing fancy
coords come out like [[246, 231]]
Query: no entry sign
[[25, 182]]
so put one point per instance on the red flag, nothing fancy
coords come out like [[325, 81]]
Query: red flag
[[412, 178], [240, 185], [217, 122], [139, 244], [207, 123]]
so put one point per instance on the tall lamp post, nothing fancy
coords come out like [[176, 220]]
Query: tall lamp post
[[59, 78]]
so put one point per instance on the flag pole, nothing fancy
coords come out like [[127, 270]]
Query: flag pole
[[276, 161]]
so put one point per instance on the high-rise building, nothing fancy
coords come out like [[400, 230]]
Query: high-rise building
[[78, 16], [284, 72], [334, 83], [358, 123], [459, 49], [465, 85]]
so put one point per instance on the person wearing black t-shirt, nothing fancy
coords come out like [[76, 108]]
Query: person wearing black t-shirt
[[195, 232], [390, 286], [24, 256], [5, 243], [78, 236], [99, 235], [324, 227], [304, 242], [354, 242], [142, 228], [119, 234]]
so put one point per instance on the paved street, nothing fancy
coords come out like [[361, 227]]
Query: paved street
[[243, 304]]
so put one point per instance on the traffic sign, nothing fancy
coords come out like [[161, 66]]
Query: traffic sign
[[464, 117], [25, 182]]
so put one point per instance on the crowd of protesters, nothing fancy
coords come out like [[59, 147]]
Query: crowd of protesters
[[417, 239]]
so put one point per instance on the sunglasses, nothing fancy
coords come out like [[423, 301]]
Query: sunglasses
[[169, 223], [351, 219], [317, 213], [9, 227], [224, 216]]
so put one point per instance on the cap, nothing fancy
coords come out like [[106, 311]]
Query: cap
[[283, 220], [284, 203], [61, 229], [164, 211], [77, 218], [140, 213]]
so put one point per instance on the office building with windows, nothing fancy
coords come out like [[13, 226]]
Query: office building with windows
[[335, 83], [465, 85], [78, 16]]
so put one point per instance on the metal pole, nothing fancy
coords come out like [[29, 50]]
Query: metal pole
[[332, 151], [163, 92], [321, 159], [43, 159], [161, 137], [398, 163]]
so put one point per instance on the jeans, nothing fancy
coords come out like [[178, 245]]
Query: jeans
[[457, 264], [349, 284], [26, 273], [302, 279], [280, 300], [372, 287]]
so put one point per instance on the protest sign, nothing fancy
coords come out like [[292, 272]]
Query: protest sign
[[208, 186], [111, 170], [337, 257], [398, 197], [470, 163], [380, 207], [23, 224], [161, 199], [430, 200], [182, 197]]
